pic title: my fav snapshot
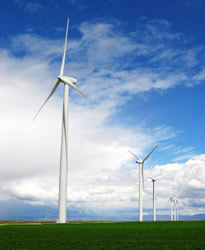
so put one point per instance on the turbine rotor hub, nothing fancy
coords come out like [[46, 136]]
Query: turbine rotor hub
[[67, 79], [140, 162]]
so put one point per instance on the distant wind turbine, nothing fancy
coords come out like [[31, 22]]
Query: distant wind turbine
[[154, 193], [176, 209], [174, 206], [68, 82], [176, 202], [171, 207], [141, 180]]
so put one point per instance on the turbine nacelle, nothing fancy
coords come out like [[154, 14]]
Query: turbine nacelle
[[174, 199], [70, 81], [139, 161], [67, 79], [156, 178]]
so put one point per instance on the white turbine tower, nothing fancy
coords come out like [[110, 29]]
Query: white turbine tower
[[154, 193], [171, 207], [176, 202], [68, 82], [176, 208], [141, 180]]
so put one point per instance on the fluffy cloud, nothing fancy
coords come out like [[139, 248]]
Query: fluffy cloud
[[187, 178]]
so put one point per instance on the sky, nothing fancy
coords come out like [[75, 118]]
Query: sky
[[141, 64]]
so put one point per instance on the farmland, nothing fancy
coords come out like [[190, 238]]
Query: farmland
[[126, 235]]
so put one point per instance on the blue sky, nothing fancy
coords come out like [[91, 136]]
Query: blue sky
[[142, 66]]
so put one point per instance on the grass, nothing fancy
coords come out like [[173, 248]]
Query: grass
[[126, 235]]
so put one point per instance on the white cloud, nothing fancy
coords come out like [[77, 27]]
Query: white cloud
[[183, 150], [31, 150], [200, 76], [29, 6], [187, 177]]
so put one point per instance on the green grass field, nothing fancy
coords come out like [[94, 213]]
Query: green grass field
[[127, 235]]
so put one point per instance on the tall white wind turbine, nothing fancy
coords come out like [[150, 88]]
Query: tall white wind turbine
[[154, 193], [68, 82], [141, 180]]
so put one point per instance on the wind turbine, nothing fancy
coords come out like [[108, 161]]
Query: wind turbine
[[171, 207], [176, 209], [154, 193], [141, 180], [176, 202], [174, 206], [68, 82]]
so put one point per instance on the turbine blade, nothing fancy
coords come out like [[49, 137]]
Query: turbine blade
[[51, 93], [68, 81], [160, 176], [149, 176], [134, 155], [178, 193], [64, 51], [150, 153], [77, 89]]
